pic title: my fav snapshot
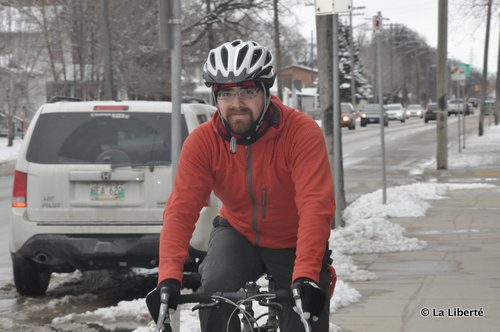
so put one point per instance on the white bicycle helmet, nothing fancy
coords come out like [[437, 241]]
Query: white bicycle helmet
[[239, 61]]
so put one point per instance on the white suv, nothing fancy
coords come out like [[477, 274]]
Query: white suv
[[396, 112], [90, 187]]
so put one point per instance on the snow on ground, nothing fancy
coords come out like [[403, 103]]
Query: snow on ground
[[479, 150], [368, 230], [9, 153]]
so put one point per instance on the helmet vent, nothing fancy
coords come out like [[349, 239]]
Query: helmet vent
[[268, 58], [241, 56], [212, 59], [236, 42], [266, 71], [223, 55], [256, 56]]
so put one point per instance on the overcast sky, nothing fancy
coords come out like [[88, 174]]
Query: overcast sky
[[465, 34]]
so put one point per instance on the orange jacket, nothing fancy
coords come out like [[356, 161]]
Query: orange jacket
[[277, 192]]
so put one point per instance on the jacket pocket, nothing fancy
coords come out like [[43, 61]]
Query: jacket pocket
[[264, 203]]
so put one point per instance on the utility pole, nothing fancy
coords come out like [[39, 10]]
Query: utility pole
[[325, 11], [210, 33], [337, 134], [175, 23], [277, 48], [391, 87], [484, 80], [106, 48], [351, 51], [164, 33], [497, 87], [442, 86], [377, 27]]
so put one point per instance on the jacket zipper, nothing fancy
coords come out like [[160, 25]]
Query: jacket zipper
[[264, 203], [252, 196]]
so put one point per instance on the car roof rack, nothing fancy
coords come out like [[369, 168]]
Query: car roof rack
[[55, 99], [192, 100]]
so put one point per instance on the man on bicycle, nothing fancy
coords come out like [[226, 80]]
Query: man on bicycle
[[268, 165]]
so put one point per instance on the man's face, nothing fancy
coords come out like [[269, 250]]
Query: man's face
[[240, 106]]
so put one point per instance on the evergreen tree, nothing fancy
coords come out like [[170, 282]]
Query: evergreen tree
[[363, 87]]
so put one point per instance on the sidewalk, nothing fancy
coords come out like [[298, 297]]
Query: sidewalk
[[458, 274]]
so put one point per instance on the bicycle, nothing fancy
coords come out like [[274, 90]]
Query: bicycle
[[242, 301]]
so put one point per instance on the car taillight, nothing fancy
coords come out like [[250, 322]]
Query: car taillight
[[19, 190]]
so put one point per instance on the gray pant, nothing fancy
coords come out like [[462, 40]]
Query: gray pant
[[232, 260]]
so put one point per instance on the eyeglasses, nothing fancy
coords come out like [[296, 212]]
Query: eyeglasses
[[244, 93]]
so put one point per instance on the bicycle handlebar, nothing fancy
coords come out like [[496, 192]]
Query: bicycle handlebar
[[280, 295]]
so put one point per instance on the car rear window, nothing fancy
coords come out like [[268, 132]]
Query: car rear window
[[345, 108], [98, 137], [372, 109]]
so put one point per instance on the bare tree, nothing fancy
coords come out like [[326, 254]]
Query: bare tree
[[23, 52]]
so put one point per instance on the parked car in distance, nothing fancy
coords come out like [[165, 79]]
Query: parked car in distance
[[489, 107], [396, 112], [456, 106], [90, 186], [474, 102], [347, 116], [415, 110], [371, 114], [430, 112]]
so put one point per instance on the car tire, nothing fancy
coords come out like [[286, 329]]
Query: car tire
[[426, 120], [29, 278], [363, 125], [386, 124], [402, 121]]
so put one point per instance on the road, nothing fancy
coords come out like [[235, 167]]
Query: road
[[408, 146]]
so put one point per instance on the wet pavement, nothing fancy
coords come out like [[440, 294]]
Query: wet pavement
[[454, 283]]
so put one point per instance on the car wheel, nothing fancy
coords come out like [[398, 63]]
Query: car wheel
[[29, 278], [426, 120], [386, 124]]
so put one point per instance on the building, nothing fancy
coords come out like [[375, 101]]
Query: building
[[298, 76]]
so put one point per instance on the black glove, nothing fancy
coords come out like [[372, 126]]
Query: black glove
[[311, 296], [173, 289]]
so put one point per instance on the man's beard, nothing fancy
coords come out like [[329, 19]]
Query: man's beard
[[240, 119]]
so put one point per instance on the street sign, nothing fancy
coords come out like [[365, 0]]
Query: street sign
[[377, 23], [457, 73], [467, 68], [329, 7]]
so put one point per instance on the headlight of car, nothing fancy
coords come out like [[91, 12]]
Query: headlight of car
[[398, 114], [419, 112], [363, 115], [345, 118]]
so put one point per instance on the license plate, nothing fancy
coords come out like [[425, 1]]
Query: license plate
[[372, 120], [107, 191]]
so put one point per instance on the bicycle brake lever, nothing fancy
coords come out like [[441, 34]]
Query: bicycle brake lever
[[213, 304], [300, 311]]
